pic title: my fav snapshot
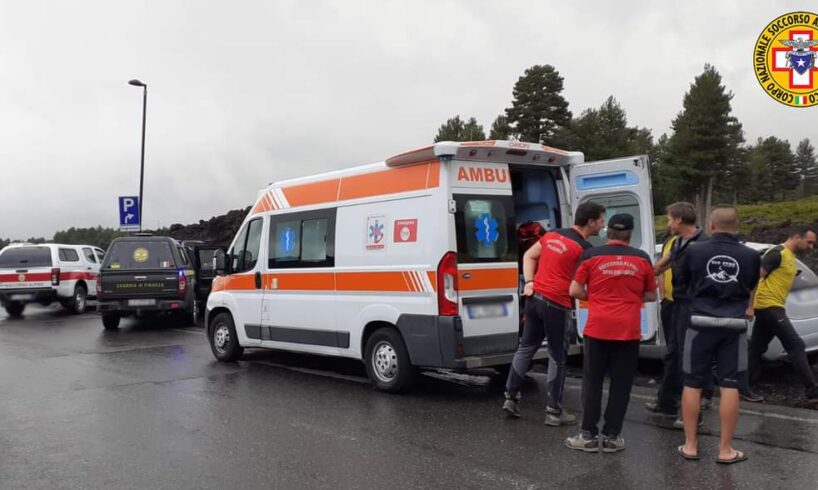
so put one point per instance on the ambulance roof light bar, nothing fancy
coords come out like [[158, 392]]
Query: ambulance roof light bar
[[515, 152]]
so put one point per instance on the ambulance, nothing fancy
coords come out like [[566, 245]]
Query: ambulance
[[410, 263]]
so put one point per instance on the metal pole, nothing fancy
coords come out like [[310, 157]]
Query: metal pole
[[142, 163]]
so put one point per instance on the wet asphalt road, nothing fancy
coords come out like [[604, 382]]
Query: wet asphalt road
[[148, 407]]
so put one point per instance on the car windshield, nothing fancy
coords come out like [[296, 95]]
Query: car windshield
[[139, 255], [25, 257]]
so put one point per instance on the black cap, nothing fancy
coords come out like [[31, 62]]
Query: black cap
[[621, 222]]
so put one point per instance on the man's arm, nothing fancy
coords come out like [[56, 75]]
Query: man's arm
[[662, 265], [530, 260], [577, 291], [650, 282]]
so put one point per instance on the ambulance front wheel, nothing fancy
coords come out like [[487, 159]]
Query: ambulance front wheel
[[223, 339], [387, 361]]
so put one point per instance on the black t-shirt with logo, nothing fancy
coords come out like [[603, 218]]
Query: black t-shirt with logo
[[721, 274]]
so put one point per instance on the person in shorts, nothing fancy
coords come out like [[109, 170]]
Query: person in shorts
[[721, 275]]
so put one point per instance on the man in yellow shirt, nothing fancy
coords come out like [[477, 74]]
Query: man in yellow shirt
[[778, 272]]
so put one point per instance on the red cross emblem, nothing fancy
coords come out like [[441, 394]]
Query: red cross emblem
[[781, 64]]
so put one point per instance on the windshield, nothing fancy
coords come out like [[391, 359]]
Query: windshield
[[25, 257], [139, 255]]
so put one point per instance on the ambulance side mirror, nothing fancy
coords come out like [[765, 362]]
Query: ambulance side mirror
[[221, 265]]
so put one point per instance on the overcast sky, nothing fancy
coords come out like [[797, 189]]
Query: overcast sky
[[243, 93]]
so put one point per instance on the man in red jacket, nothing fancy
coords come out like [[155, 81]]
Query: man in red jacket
[[615, 279], [548, 267]]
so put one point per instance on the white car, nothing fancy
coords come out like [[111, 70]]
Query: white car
[[45, 273], [802, 309]]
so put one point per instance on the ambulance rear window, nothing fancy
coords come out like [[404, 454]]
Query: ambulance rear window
[[485, 228], [25, 257]]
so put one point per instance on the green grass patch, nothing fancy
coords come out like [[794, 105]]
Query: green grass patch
[[770, 214]]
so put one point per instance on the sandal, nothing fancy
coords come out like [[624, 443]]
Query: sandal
[[681, 451], [738, 458]]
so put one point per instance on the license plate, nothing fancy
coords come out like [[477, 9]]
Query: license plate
[[487, 311], [141, 302], [22, 297]]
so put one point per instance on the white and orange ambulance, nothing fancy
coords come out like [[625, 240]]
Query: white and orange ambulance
[[411, 262]]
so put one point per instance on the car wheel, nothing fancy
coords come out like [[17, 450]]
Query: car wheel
[[76, 304], [15, 309], [110, 321], [387, 361], [223, 340]]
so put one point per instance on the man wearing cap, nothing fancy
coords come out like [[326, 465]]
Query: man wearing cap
[[615, 279]]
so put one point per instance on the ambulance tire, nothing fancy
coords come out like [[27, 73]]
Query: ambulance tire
[[15, 309], [110, 321], [224, 343], [387, 361]]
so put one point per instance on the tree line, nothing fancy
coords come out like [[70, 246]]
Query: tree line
[[704, 159]]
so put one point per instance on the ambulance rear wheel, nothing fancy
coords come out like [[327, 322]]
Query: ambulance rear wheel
[[387, 361]]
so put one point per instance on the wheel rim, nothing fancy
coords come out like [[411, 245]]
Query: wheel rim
[[385, 361], [221, 337]]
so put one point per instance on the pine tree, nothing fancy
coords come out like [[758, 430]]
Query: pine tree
[[706, 139], [604, 133], [500, 130], [456, 130], [807, 166], [772, 164], [538, 109]]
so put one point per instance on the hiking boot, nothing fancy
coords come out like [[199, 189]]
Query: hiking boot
[[655, 408], [512, 407], [751, 396], [583, 441], [680, 425], [612, 444], [556, 418]]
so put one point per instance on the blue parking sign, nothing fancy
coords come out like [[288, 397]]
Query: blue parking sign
[[129, 213]]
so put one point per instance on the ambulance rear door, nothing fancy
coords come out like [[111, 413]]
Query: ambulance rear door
[[488, 277], [621, 185]]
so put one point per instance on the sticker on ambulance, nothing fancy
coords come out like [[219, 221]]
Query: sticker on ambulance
[[140, 255], [486, 230], [375, 233], [406, 231]]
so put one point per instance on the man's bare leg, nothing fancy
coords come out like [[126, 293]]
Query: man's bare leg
[[728, 413], [691, 405]]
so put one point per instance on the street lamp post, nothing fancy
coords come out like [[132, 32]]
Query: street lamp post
[[137, 83]]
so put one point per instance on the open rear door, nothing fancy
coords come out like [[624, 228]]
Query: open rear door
[[622, 186]]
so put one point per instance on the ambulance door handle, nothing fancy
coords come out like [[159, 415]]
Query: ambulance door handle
[[258, 280]]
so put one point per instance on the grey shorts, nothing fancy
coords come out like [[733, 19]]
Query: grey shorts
[[728, 348]]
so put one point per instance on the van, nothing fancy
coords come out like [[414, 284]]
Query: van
[[412, 262]]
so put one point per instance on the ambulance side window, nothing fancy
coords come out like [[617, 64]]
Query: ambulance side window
[[619, 204], [300, 240], [245, 252]]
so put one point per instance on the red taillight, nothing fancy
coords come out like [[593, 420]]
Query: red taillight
[[55, 276], [182, 282], [447, 285]]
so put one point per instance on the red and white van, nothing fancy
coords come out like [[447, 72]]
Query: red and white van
[[411, 262], [46, 273]]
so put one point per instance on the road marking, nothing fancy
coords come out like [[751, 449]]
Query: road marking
[[757, 413]]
